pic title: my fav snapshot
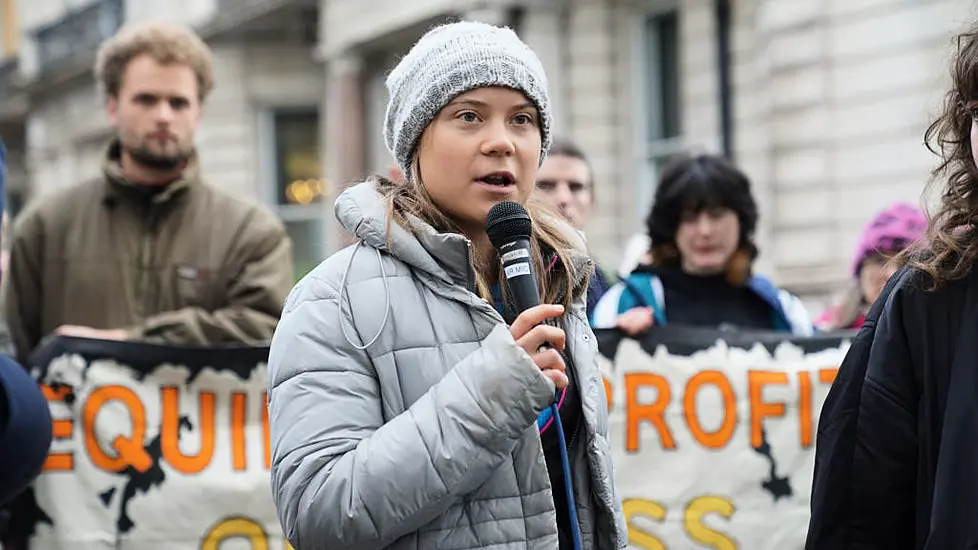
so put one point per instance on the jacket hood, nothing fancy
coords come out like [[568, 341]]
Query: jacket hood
[[362, 211]]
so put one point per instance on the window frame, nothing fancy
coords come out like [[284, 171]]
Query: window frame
[[648, 151], [270, 170]]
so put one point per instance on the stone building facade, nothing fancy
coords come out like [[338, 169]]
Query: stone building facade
[[822, 102]]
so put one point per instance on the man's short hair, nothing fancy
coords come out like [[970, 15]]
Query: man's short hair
[[167, 43], [563, 147]]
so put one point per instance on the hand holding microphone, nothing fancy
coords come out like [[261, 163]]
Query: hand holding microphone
[[540, 340], [509, 228]]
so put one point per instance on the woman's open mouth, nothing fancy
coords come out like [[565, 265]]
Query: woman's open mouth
[[498, 179]]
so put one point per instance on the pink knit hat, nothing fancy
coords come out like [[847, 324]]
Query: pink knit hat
[[892, 230]]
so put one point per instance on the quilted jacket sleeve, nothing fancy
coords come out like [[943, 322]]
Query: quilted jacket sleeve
[[341, 477]]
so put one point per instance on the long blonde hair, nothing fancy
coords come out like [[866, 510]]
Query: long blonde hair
[[555, 278]]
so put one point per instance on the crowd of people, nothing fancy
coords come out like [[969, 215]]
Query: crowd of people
[[452, 417]]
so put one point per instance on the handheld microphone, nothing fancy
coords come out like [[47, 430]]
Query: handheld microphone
[[509, 227]]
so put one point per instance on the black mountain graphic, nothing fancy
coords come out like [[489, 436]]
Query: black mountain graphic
[[140, 482], [779, 487]]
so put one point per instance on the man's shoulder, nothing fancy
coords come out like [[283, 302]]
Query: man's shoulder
[[225, 204], [61, 204]]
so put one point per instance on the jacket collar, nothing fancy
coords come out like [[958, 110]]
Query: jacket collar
[[118, 185], [362, 211]]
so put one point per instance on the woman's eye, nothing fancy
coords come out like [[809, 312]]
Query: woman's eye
[[523, 118], [468, 117], [973, 112]]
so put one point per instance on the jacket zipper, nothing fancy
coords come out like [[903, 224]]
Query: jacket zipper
[[473, 287], [572, 369], [148, 253]]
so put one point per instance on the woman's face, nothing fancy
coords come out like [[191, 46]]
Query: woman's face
[[873, 275], [707, 239], [481, 149]]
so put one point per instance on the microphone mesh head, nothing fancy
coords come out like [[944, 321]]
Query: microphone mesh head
[[506, 222]]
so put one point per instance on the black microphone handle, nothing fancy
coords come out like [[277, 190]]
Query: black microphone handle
[[521, 280]]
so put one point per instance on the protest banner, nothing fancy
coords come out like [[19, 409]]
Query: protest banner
[[163, 447], [713, 434], [155, 448]]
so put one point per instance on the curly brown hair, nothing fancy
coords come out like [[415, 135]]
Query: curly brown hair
[[949, 248], [166, 42]]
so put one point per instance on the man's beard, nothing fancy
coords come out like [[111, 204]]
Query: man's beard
[[154, 161]]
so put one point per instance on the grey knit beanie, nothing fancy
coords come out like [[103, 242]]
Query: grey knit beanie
[[450, 60]]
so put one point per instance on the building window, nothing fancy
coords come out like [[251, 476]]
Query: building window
[[78, 33], [661, 99], [298, 185]]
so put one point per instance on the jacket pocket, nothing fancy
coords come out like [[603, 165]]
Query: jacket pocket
[[192, 286]]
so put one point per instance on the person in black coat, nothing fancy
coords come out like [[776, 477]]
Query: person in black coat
[[896, 460], [25, 421]]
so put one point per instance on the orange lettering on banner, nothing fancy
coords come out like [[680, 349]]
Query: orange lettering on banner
[[805, 408], [759, 410], [55, 394], [265, 432], [607, 390], [719, 438], [170, 432], [135, 455], [827, 376], [130, 451], [633, 508], [636, 412], [239, 460], [60, 429]]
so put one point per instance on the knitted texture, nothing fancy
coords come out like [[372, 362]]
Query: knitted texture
[[448, 61], [892, 230]]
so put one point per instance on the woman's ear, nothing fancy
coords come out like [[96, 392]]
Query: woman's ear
[[396, 175]]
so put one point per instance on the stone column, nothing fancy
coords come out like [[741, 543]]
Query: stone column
[[343, 135], [544, 30]]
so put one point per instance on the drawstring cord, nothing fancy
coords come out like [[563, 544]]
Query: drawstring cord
[[387, 300]]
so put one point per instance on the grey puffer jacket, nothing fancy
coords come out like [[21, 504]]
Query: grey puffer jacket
[[403, 413]]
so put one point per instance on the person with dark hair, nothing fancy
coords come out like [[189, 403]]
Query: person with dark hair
[[702, 232], [25, 421], [897, 439], [566, 181]]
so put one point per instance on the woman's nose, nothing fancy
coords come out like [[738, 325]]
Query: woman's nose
[[498, 140]]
